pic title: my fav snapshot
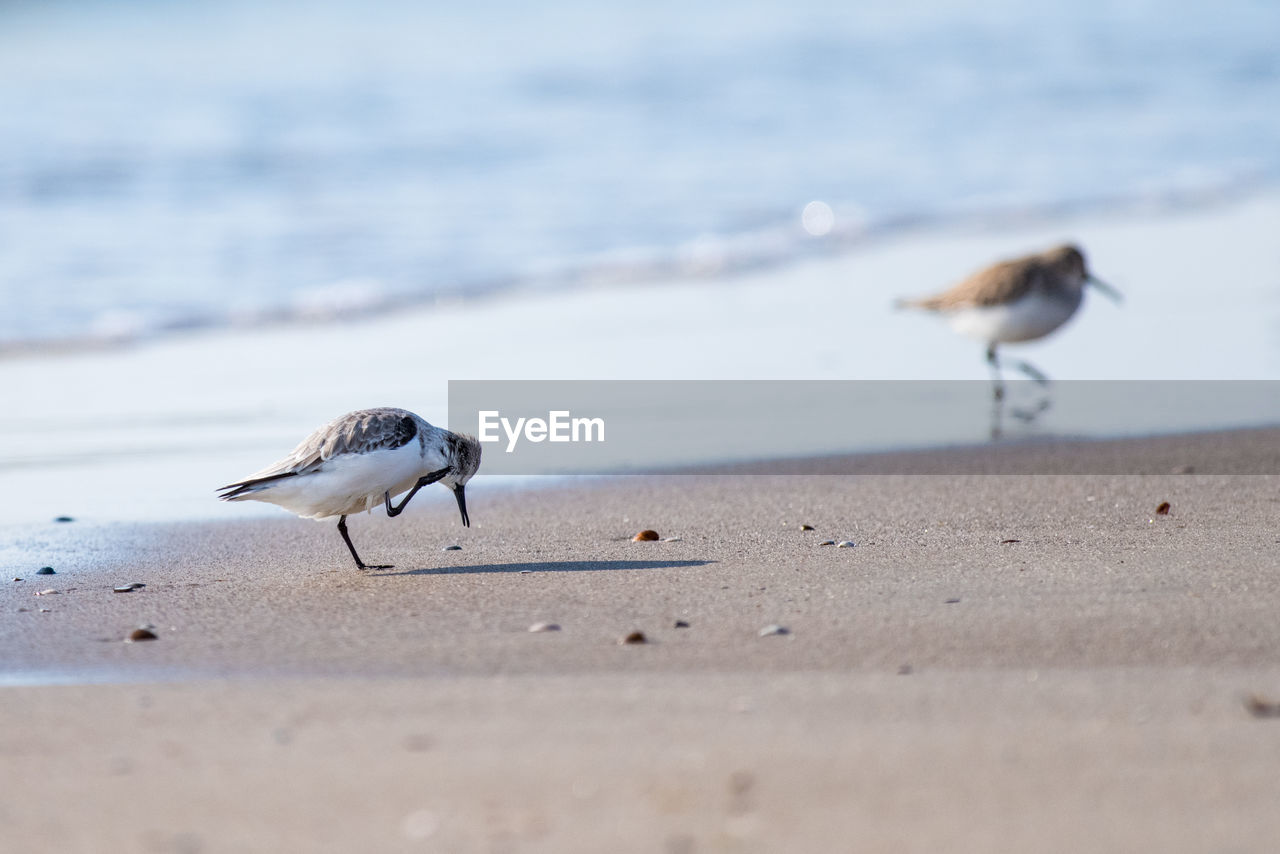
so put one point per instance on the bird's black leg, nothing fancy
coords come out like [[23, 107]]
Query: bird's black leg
[[1029, 414], [997, 393], [425, 480], [346, 538], [1037, 375]]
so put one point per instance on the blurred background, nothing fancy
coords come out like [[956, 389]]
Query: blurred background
[[168, 166], [224, 223]]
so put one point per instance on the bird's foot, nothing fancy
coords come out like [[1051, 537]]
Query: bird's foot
[[1026, 416]]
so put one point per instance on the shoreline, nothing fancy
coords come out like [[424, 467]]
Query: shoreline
[[701, 259], [92, 435]]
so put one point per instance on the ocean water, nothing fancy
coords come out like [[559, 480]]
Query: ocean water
[[166, 167]]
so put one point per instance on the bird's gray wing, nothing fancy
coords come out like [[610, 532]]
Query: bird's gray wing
[[354, 433], [995, 285]]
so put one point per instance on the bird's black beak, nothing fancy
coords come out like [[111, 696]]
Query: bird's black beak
[[460, 493], [1105, 288]]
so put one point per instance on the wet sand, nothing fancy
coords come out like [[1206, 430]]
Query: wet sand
[[1001, 663]]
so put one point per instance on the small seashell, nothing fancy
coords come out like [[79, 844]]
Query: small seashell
[[544, 627], [846, 544], [16, 578], [128, 588], [672, 539], [451, 549], [682, 624], [806, 527], [774, 629], [46, 610], [142, 633], [827, 543], [1164, 508], [45, 570], [49, 592], [633, 637], [646, 536]]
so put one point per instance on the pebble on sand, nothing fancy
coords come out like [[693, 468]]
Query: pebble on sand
[[646, 536], [774, 629], [545, 627], [806, 527], [827, 543], [846, 544], [682, 624], [46, 570], [141, 633], [452, 549], [63, 519], [128, 588], [633, 637], [1164, 508], [1262, 707]]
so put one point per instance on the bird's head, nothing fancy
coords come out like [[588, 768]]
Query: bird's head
[[1068, 262], [464, 461]]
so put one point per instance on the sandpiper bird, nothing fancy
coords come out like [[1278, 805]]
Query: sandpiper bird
[[360, 460], [1017, 300]]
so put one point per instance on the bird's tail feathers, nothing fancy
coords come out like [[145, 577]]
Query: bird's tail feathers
[[920, 303], [245, 488]]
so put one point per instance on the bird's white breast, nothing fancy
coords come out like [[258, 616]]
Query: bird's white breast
[[1033, 316], [349, 483]]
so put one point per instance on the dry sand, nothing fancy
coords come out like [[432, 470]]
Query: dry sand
[[1002, 663]]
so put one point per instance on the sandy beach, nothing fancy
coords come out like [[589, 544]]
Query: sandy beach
[[1001, 663]]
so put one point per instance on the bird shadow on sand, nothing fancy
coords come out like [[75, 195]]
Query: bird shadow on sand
[[553, 566]]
